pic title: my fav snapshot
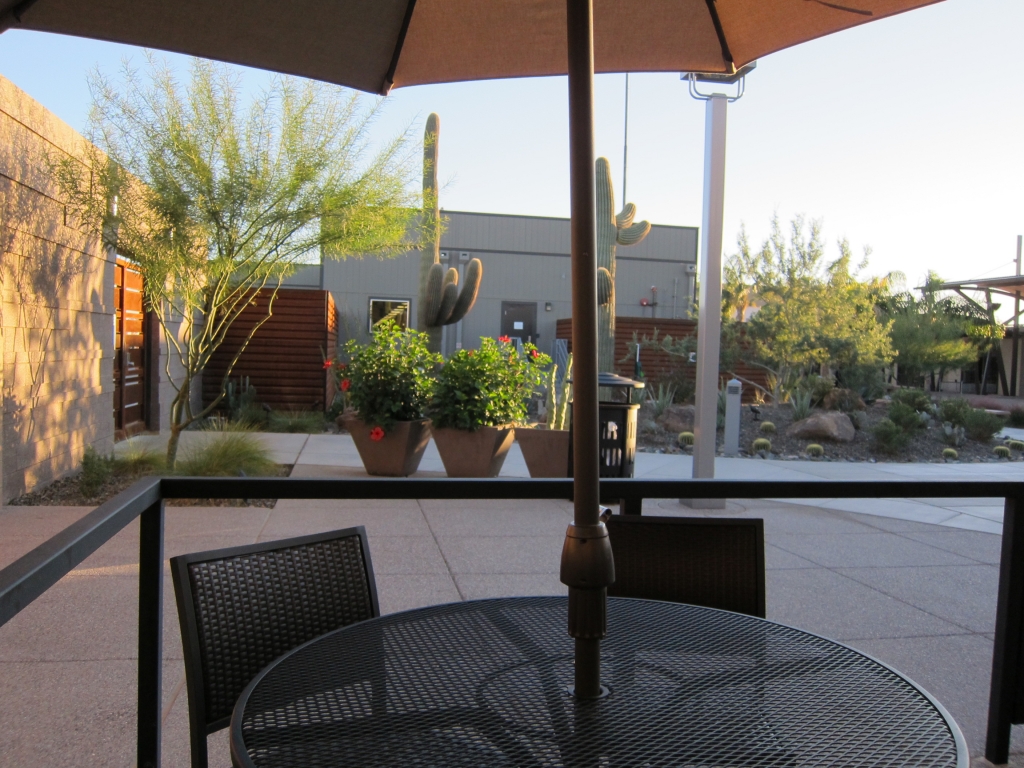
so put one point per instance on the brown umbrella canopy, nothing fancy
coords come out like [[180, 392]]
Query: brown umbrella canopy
[[373, 45]]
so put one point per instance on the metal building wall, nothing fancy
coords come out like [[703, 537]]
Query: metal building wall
[[525, 259]]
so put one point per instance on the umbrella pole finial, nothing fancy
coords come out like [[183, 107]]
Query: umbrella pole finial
[[587, 566]]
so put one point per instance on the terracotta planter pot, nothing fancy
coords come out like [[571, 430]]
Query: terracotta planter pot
[[398, 453], [473, 454], [546, 451]]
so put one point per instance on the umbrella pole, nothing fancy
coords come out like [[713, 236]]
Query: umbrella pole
[[587, 566]]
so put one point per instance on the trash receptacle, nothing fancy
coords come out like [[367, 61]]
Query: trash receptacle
[[617, 435]]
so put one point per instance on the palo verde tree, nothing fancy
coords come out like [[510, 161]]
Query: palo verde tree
[[216, 200]]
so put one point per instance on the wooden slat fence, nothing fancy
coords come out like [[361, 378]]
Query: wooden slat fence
[[657, 364], [284, 360]]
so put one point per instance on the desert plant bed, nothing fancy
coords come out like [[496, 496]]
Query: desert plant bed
[[925, 444]]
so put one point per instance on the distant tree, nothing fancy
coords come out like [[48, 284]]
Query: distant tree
[[215, 201], [811, 312], [935, 333]]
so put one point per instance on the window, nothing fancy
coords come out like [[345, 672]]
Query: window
[[394, 309]]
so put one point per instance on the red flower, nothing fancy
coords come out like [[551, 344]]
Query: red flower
[[377, 434], [471, 353], [345, 384], [328, 364], [534, 353], [504, 339]]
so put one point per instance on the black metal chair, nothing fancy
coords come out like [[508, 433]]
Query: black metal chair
[[718, 563], [241, 608]]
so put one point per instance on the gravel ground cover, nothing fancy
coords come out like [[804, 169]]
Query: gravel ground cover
[[926, 445]]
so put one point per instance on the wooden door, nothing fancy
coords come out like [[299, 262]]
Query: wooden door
[[129, 351]]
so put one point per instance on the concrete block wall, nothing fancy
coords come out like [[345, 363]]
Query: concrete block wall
[[57, 310]]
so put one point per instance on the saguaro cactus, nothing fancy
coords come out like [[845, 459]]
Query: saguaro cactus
[[441, 303], [611, 230]]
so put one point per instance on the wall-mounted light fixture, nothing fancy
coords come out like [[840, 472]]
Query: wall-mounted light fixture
[[547, 306]]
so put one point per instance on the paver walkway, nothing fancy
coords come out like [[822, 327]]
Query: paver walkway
[[893, 583]]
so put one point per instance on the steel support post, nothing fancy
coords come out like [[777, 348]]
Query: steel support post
[[709, 319], [586, 556], [1005, 694], [151, 598]]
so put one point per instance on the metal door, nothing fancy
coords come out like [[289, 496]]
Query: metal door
[[129, 351], [519, 320]]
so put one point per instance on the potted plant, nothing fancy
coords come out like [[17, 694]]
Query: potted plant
[[545, 447], [387, 384], [479, 397]]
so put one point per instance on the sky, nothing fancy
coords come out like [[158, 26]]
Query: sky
[[903, 135]]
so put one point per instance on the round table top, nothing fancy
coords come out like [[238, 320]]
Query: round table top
[[482, 683]]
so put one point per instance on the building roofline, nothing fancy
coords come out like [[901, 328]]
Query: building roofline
[[550, 218]]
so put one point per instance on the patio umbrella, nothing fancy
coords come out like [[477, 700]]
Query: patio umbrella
[[375, 45]]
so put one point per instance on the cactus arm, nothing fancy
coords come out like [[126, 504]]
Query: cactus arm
[[605, 287], [470, 289], [625, 217], [633, 234], [431, 298], [449, 295]]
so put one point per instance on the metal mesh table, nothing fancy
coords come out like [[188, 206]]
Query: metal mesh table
[[483, 684]]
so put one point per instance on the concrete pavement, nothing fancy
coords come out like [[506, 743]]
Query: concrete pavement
[[913, 584]]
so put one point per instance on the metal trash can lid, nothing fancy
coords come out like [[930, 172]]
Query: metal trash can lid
[[614, 380]]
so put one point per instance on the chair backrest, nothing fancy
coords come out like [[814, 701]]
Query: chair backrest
[[718, 563], [241, 608]]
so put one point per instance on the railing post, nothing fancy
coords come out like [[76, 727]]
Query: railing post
[[1003, 709], [151, 613]]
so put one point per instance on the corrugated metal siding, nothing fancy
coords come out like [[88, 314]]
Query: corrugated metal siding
[[284, 360], [656, 363]]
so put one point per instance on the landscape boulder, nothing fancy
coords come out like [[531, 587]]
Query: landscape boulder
[[824, 425], [677, 418]]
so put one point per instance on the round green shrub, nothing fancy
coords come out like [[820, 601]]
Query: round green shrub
[[815, 451], [1016, 445], [889, 438], [1016, 418], [917, 399], [767, 428], [950, 454], [905, 417], [982, 425], [1001, 451], [685, 439], [762, 444]]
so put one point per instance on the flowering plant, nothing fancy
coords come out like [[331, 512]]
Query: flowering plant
[[487, 387], [388, 379]]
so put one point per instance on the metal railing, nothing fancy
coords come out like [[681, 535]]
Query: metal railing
[[34, 573]]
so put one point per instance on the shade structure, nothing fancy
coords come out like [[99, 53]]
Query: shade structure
[[373, 45]]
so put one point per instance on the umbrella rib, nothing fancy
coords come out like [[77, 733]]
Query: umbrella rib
[[389, 78], [726, 53]]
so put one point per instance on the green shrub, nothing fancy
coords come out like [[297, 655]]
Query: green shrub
[[1015, 445], [1016, 418], [801, 402], [1001, 451], [762, 445], [857, 419], [950, 454], [228, 454], [242, 405], [982, 425], [136, 460], [916, 398], [767, 428], [685, 439], [954, 411], [845, 400], [905, 417], [303, 422], [391, 378], [818, 387], [487, 387], [683, 385], [815, 451], [889, 438], [866, 381], [96, 470]]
